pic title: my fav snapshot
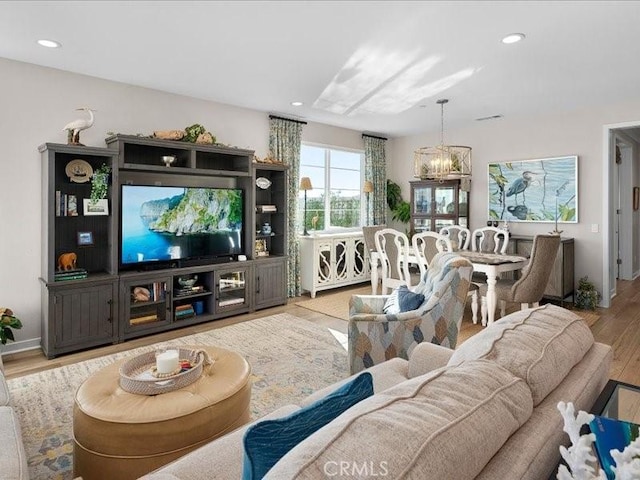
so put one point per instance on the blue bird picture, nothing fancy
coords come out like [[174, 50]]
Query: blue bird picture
[[543, 190]]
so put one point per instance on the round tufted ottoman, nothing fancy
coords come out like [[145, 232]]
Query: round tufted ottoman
[[121, 435]]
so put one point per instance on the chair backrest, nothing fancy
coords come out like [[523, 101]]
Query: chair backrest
[[393, 248], [426, 245], [531, 285], [489, 239], [460, 236], [370, 236]]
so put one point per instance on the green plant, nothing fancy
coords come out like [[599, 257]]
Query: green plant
[[8, 321], [100, 183], [586, 296], [400, 209], [192, 132]]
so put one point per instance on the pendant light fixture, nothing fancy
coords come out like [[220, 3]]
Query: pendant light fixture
[[443, 162]]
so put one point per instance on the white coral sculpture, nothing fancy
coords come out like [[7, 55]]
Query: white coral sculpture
[[579, 455]]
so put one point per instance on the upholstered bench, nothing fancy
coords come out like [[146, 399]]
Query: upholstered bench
[[123, 435]]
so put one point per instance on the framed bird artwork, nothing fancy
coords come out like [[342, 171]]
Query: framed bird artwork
[[539, 190]]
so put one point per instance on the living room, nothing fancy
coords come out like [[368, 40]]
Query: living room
[[41, 96]]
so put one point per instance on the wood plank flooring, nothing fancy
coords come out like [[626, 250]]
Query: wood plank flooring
[[618, 326]]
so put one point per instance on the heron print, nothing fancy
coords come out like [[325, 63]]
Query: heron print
[[542, 190]]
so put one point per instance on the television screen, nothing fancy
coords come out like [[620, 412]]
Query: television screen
[[178, 223]]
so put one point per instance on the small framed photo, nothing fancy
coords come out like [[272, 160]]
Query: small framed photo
[[101, 207], [85, 238]]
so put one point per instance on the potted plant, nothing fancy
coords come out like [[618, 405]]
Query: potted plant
[[100, 183], [586, 295], [8, 321]]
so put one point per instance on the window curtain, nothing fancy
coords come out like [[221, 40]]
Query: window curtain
[[285, 139], [375, 170]]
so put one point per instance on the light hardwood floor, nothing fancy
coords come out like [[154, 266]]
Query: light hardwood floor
[[618, 326]]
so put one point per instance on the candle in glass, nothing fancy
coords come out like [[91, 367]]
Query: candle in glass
[[167, 361]]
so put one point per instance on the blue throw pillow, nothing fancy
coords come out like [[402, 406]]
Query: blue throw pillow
[[267, 441], [408, 300]]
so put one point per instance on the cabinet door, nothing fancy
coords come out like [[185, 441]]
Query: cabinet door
[[83, 316], [270, 283], [342, 263], [324, 254], [231, 292], [359, 261], [145, 303]]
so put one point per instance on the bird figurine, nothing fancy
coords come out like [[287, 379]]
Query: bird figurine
[[314, 221], [74, 128], [519, 185]]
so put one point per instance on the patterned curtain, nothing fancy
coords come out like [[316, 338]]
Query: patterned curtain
[[285, 139], [375, 170]]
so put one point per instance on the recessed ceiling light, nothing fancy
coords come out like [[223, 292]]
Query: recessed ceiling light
[[513, 38], [49, 43], [297, 104]]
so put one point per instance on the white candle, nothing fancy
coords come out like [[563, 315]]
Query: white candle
[[167, 362]]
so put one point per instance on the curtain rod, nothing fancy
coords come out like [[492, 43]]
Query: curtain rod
[[374, 136], [288, 119]]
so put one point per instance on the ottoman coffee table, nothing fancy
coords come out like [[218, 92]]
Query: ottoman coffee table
[[121, 435]]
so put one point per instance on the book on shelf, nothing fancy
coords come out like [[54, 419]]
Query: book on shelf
[[189, 290], [266, 208], [612, 434], [144, 319], [74, 274]]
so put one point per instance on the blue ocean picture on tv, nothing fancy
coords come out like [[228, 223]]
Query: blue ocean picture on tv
[[172, 223]]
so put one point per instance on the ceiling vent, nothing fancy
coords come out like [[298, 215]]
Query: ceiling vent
[[492, 117]]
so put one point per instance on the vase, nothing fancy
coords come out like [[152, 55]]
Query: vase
[[266, 229]]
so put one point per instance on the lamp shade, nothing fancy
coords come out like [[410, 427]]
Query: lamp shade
[[305, 183], [368, 186]]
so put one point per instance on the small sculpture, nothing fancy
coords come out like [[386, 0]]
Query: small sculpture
[[141, 294], [67, 261], [74, 128]]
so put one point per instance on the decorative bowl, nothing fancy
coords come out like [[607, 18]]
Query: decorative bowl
[[168, 159], [187, 282]]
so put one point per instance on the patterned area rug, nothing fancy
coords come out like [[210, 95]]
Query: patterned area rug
[[290, 358]]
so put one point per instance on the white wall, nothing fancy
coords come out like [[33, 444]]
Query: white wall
[[37, 102], [530, 138]]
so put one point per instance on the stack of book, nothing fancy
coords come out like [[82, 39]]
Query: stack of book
[[66, 205], [266, 208], [184, 311], [181, 292], [74, 274]]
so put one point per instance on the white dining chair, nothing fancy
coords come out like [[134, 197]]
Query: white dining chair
[[393, 249], [460, 236], [490, 239], [426, 245]]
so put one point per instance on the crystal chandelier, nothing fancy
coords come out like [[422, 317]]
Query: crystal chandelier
[[443, 162]]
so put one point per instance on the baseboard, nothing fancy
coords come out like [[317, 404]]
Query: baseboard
[[21, 346]]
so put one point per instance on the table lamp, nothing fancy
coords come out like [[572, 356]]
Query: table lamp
[[367, 189], [305, 184]]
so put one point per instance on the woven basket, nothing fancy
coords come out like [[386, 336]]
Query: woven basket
[[135, 374]]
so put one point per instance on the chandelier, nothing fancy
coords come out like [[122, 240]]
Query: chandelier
[[443, 162]]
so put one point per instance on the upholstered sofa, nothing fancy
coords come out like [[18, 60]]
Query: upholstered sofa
[[13, 459], [487, 410]]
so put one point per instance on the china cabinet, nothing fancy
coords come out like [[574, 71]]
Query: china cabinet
[[436, 204]]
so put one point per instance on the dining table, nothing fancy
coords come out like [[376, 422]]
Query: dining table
[[491, 264]]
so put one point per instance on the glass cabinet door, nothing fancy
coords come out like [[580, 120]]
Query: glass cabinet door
[[422, 201], [437, 204], [231, 289], [444, 200]]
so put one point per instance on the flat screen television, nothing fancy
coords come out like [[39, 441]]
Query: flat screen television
[[173, 224]]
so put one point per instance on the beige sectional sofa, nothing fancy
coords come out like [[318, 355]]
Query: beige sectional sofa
[[13, 459], [486, 410]]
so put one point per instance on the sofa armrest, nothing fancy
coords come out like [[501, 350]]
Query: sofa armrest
[[426, 357]]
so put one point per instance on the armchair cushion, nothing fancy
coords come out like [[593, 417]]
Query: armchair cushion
[[267, 441], [402, 300]]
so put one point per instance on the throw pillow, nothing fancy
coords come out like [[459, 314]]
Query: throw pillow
[[268, 441], [402, 300]]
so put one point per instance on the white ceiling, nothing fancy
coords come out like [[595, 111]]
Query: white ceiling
[[362, 65]]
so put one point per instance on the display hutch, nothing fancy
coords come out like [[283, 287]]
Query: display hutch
[[108, 301], [436, 204]]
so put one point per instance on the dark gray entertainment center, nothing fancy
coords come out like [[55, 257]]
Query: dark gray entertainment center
[[106, 305]]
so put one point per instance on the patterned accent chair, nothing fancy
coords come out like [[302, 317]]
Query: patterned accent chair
[[375, 337]]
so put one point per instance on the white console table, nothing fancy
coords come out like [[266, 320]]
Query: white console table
[[333, 260]]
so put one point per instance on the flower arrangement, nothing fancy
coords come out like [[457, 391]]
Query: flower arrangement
[[8, 321]]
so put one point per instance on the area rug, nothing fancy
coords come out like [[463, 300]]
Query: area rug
[[290, 358], [334, 304]]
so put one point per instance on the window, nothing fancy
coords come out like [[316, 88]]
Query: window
[[336, 177]]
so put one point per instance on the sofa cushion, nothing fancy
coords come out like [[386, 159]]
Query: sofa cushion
[[402, 300], [13, 457], [267, 441], [538, 345], [418, 429]]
